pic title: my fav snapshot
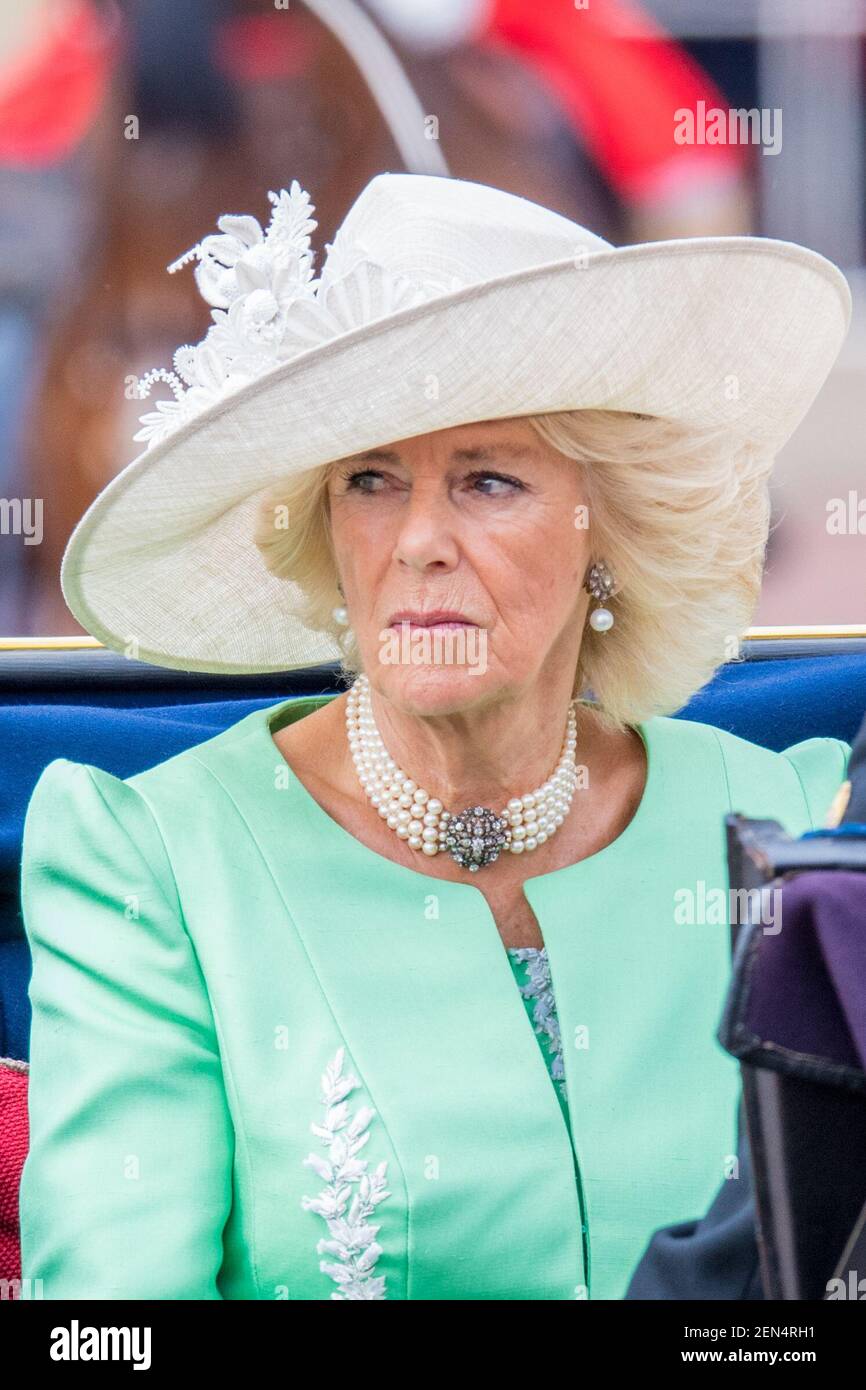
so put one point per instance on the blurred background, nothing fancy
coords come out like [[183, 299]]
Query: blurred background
[[128, 126]]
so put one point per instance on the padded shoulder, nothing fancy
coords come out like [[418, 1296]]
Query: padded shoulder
[[795, 786], [76, 810], [822, 766]]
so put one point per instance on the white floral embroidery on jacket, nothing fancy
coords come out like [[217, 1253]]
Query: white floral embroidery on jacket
[[546, 1019], [353, 1238]]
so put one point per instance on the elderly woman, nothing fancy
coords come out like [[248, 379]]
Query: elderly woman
[[411, 992]]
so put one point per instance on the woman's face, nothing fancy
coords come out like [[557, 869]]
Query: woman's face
[[482, 523]]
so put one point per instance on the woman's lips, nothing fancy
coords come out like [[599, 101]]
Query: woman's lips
[[429, 627], [434, 617]]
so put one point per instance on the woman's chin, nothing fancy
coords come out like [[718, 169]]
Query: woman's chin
[[431, 690]]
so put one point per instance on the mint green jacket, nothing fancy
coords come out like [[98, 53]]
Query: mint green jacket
[[269, 1063]]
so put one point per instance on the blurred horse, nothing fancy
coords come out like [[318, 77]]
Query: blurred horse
[[209, 108]]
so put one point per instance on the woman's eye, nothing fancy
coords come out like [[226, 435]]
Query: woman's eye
[[361, 480], [502, 484], [371, 480]]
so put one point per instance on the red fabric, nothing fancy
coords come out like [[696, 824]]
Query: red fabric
[[14, 1139], [50, 97], [262, 47], [620, 79]]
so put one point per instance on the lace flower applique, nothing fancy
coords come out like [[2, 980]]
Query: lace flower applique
[[545, 1016], [352, 1238], [267, 307]]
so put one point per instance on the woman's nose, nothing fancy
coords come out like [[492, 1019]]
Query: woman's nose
[[426, 534]]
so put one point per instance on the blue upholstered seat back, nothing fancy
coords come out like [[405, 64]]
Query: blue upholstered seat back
[[772, 702]]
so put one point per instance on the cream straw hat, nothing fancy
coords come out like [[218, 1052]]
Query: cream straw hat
[[440, 302]]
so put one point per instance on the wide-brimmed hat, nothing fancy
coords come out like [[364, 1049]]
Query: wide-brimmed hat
[[440, 302]]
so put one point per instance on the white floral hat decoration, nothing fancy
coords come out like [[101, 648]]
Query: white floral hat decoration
[[266, 306], [440, 302]]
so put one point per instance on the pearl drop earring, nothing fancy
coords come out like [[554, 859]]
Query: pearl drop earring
[[601, 584], [340, 614]]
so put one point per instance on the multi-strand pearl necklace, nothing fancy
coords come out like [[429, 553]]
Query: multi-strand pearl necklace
[[473, 837]]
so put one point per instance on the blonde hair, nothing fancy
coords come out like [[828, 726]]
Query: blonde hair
[[681, 517]]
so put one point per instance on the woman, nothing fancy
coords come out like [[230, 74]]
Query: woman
[[411, 992]]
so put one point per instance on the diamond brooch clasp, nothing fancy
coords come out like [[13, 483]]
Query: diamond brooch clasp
[[476, 837]]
